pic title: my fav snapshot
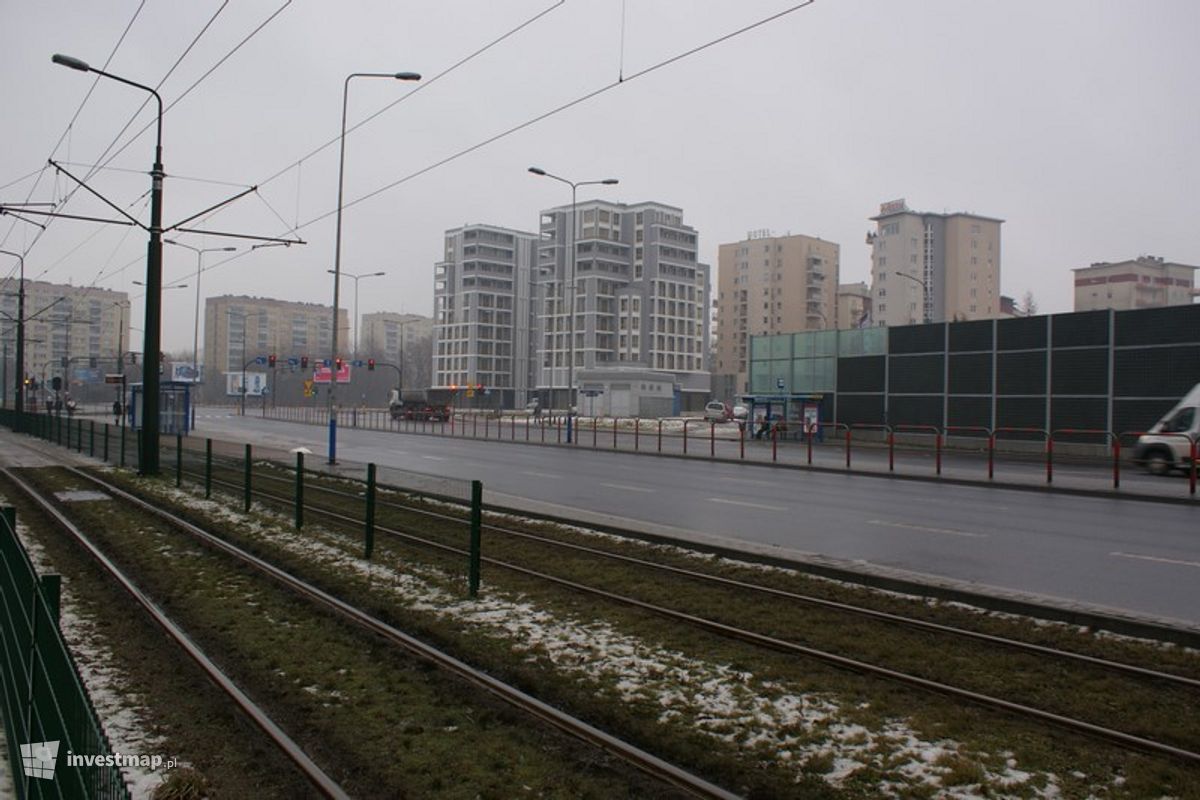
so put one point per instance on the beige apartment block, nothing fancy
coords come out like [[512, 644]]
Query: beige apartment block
[[402, 340], [86, 326], [1143, 282], [239, 329], [853, 305], [772, 284], [928, 267]]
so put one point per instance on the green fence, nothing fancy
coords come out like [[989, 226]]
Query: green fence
[[43, 697]]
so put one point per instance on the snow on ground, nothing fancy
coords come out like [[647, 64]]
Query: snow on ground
[[771, 721], [117, 702]]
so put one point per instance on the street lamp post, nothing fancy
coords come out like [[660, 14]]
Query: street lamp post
[[337, 252], [199, 251], [924, 295], [19, 403], [152, 337], [571, 287], [356, 279]]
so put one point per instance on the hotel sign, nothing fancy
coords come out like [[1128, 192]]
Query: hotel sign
[[893, 207]]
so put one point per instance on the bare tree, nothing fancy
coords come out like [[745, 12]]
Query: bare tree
[[1029, 305]]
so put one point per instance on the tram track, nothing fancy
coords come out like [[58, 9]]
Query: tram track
[[1185, 753], [655, 768]]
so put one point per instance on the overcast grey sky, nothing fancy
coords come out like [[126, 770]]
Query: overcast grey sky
[[1075, 121]]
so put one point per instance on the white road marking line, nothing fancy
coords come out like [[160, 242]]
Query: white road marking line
[[1159, 559], [434, 458], [748, 505], [627, 488], [542, 475], [751, 480], [949, 531]]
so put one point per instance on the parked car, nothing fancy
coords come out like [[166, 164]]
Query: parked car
[[716, 411], [1168, 445]]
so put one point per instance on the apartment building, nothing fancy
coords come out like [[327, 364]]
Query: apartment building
[[853, 305], [640, 297], [483, 316], [928, 267], [400, 339], [1143, 282], [771, 284], [84, 327], [238, 329]]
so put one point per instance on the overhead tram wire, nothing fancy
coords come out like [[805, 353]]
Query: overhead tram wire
[[546, 115], [66, 132], [420, 87], [570, 104], [529, 122], [102, 161]]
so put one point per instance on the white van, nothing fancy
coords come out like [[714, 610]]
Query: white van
[[1161, 454]]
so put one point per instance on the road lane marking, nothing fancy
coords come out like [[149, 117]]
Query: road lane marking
[[542, 475], [751, 480], [926, 529], [627, 488], [434, 458], [1159, 559], [748, 505]]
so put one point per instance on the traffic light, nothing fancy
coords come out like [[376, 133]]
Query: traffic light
[[337, 363], [133, 358], [454, 387], [303, 362], [370, 365], [271, 361]]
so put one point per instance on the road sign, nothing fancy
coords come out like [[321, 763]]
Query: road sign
[[358, 362], [293, 362], [322, 374], [260, 360], [308, 389], [114, 377]]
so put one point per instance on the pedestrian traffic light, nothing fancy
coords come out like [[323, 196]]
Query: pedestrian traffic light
[[56, 383], [454, 387], [337, 363], [479, 387], [271, 361], [133, 358], [371, 364], [303, 362]]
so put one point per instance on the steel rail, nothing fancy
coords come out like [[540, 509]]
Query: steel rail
[[313, 773], [647, 762], [1080, 726], [912, 622]]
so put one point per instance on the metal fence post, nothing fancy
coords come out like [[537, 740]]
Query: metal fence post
[[207, 468], [369, 532], [106, 443], [92, 438], [299, 490], [121, 431], [178, 460], [476, 524], [246, 499]]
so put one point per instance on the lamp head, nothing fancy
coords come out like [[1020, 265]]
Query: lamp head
[[537, 170], [610, 181], [407, 76], [68, 61], [378, 274]]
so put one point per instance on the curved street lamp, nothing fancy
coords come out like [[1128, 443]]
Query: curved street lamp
[[199, 251], [571, 286], [356, 279], [337, 251], [152, 338]]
